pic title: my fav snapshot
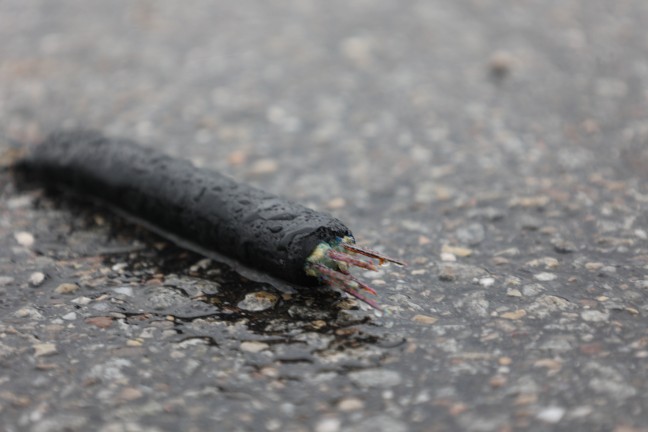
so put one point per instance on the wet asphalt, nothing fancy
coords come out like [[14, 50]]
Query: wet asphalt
[[499, 147]]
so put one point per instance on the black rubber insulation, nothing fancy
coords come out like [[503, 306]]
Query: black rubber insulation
[[255, 227]]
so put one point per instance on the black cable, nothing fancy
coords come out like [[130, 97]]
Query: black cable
[[259, 229]]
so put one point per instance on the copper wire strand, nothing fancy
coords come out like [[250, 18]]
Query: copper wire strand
[[341, 256], [347, 281], [371, 254]]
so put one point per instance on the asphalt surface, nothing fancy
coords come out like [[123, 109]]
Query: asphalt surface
[[499, 147]]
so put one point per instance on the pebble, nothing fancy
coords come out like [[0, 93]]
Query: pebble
[[501, 63], [264, 166], [44, 349], [253, 346], [457, 251], [350, 404], [551, 414], [486, 282], [28, 312], [70, 316], [24, 238], [130, 394], [36, 279], [330, 424], [448, 257], [127, 291], [513, 292], [100, 321], [472, 234], [258, 301], [515, 315], [563, 246], [532, 289], [546, 262], [594, 316], [383, 378], [82, 300], [66, 288], [447, 274], [545, 277], [424, 319]]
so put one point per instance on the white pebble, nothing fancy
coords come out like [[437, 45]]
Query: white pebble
[[545, 277], [594, 316], [36, 278], [551, 414], [24, 238], [331, 424], [127, 291], [448, 257], [486, 282], [253, 346], [70, 317]]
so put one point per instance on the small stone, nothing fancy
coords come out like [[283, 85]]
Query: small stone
[[318, 324], [350, 404], [330, 424], [530, 223], [457, 250], [70, 316], [448, 257], [24, 238], [472, 234], [264, 166], [563, 246], [551, 414], [134, 342], [447, 274], [424, 319], [100, 321], [532, 289], [44, 349], [513, 292], [515, 315], [130, 394], [486, 282], [383, 378], [125, 290], [594, 316], [336, 203], [82, 301], [546, 262], [28, 312], [594, 266], [501, 63], [551, 364], [528, 202], [253, 346], [66, 288], [258, 301], [36, 279], [642, 234], [545, 277], [119, 267]]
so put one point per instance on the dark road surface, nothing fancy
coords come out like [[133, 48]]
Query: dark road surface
[[499, 147]]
